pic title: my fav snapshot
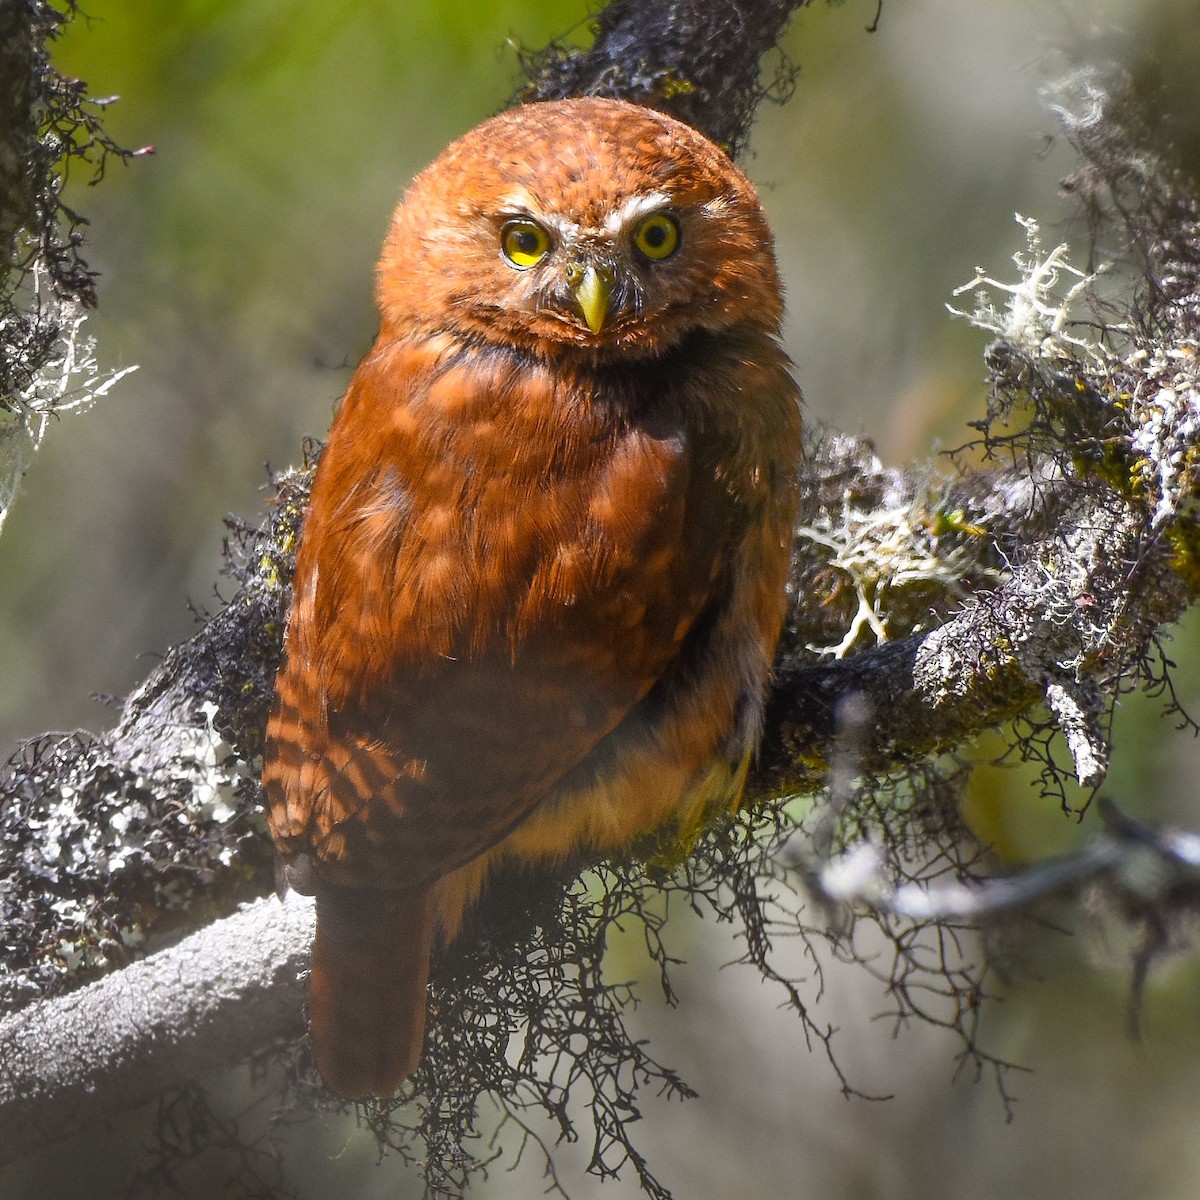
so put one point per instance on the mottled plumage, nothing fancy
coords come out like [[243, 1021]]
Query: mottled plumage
[[542, 575]]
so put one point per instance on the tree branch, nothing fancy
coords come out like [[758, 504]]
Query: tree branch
[[219, 997], [697, 61], [1062, 616]]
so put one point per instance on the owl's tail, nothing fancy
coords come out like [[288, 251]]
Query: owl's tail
[[366, 996]]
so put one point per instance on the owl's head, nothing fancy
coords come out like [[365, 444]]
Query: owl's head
[[583, 225]]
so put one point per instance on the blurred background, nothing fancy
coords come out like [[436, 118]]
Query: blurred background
[[236, 272]]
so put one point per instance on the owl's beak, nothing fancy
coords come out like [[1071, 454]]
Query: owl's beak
[[592, 288]]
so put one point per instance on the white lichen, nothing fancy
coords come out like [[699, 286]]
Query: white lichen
[[212, 769], [1166, 428], [70, 380], [1038, 313], [882, 551], [122, 832]]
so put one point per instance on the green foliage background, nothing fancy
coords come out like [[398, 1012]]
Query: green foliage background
[[236, 271]]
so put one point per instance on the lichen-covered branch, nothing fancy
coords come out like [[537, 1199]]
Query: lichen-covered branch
[[47, 365], [701, 62], [1060, 623]]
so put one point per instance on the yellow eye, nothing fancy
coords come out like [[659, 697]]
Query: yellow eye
[[524, 243], [657, 237]]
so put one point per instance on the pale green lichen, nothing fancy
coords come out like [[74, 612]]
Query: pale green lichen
[[1039, 311], [885, 550]]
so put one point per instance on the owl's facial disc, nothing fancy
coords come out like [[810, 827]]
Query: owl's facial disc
[[589, 276]]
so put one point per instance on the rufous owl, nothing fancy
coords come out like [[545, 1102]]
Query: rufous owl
[[542, 575]]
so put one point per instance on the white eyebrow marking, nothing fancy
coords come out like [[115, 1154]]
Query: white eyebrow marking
[[521, 203], [517, 202], [633, 208]]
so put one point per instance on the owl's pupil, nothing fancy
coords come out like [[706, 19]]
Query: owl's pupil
[[655, 236], [527, 242]]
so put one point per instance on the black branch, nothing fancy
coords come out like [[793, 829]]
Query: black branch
[[698, 61]]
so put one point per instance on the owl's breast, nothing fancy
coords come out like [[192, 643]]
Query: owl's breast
[[545, 596], [510, 503]]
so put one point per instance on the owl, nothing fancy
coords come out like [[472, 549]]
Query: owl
[[541, 580]]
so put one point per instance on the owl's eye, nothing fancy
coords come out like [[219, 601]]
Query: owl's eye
[[657, 237], [524, 243]]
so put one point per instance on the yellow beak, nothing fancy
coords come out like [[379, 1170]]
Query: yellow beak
[[592, 289]]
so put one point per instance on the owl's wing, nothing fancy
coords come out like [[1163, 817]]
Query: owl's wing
[[479, 609]]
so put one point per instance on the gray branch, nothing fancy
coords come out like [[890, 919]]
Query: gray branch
[[217, 998], [1145, 869]]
